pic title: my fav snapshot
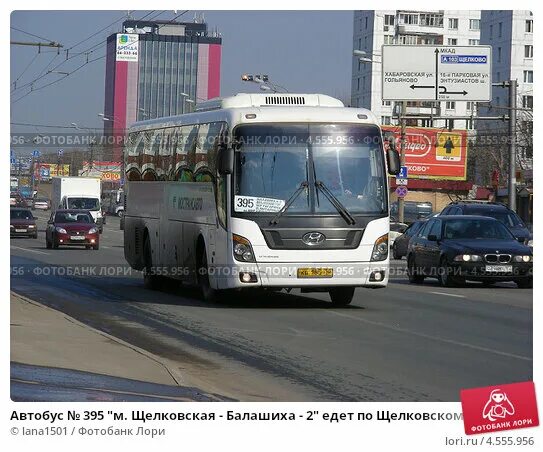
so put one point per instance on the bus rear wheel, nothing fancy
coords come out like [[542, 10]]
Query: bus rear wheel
[[150, 280], [341, 296]]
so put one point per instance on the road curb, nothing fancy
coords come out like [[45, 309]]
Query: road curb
[[172, 370]]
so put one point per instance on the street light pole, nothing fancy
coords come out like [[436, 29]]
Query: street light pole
[[512, 145], [401, 205]]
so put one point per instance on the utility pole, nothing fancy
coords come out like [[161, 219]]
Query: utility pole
[[402, 157], [512, 145]]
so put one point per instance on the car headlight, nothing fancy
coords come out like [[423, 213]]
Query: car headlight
[[93, 230], [11, 226], [380, 249], [243, 251], [530, 243], [468, 258], [31, 226], [525, 258], [61, 230]]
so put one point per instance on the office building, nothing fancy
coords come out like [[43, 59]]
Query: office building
[[156, 69]]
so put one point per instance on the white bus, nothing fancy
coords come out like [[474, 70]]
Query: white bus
[[275, 191]]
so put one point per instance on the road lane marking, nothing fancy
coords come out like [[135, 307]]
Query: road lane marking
[[434, 338], [26, 249], [449, 294]]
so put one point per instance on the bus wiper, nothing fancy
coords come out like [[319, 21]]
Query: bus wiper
[[335, 202], [290, 201]]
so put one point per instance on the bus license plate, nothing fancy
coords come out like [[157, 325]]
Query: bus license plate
[[499, 268], [315, 272]]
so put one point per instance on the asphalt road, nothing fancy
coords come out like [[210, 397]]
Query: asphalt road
[[403, 343]]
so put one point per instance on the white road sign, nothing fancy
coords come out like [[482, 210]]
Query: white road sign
[[437, 73]]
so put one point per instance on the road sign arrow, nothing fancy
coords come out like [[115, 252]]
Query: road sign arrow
[[443, 90], [421, 86]]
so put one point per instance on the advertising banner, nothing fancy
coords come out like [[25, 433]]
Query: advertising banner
[[107, 171], [434, 153], [127, 47], [45, 171]]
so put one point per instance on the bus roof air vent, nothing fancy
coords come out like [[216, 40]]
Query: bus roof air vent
[[245, 100], [285, 100]]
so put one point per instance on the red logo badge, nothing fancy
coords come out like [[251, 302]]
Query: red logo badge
[[495, 408]]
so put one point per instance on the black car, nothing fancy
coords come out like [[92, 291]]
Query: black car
[[456, 248], [399, 247], [495, 210]]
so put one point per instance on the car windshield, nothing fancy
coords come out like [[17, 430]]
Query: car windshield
[[475, 229], [72, 217], [21, 215], [509, 219], [84, 203], [274, 160]]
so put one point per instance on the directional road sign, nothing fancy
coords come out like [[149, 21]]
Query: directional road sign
[[437, 73], [403, 173], [401, 191]]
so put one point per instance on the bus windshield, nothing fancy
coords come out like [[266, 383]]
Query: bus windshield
[[274, 160]]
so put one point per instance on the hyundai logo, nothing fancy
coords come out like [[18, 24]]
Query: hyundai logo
[[313, 238]]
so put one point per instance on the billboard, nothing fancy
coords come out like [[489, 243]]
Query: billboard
[[127, 47], [106, 171], [434, 153], [45, 171]]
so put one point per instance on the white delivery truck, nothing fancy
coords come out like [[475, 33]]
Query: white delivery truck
[[78, 193]]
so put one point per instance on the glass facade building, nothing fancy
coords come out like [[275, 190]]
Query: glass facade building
[[156, 69]]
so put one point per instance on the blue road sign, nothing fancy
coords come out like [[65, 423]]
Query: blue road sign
[[35, 153], [401, 191], [60, 152], [403, 173], [13, 160]]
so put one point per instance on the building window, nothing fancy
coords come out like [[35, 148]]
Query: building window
[[528, 102], [500, 29], [364, 83], [385, 120], [491, 28], [499, 54], [474, 24], [452, 41], [528, 76], [389, 20], [407, 40], [365, 43], [409, 19], [450, 105], [387, 103], [453, 24], [498, 101], [498, 76], [529, 51], [358, 84], [470, 106], [529, 26], [474, 42], [388, 39], [431, 20], [366, 23]]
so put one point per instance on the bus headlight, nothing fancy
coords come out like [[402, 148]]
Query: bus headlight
[[380, 249], [243, 251]]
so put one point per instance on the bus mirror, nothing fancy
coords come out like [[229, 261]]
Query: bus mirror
[[226, 162], [390, 141], [393, 161]]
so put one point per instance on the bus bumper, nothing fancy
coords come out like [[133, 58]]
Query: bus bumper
[[305, 275]]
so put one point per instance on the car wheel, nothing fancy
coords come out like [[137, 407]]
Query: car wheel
[[208, 293], [150, 280], [395, 253], [488, 283], [96, 247], [55, 243], [412, 274], [341, 296], [445, 275], [527, 283], [120, 213], [35, 236]]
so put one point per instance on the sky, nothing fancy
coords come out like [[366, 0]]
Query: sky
[[304, 51]]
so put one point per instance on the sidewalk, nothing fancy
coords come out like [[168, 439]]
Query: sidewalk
[[42, 336]]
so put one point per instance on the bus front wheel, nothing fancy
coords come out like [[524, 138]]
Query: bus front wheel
[[209, 294], [341, 296]]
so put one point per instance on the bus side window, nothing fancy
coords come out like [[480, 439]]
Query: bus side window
[[185, 150]]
